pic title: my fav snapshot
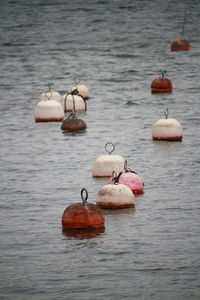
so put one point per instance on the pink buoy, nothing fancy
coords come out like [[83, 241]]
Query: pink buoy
[[167, 129], [105, 164], [131, 179], [48, 111], [114, 196]]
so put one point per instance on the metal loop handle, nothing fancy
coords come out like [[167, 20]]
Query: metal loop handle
[[166, 113], [114, 177], [84, 197], [125, 165], [106, 147]]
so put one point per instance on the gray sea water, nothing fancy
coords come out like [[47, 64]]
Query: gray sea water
[[116, 48]]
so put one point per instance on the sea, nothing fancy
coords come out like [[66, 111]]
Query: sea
[[116, 48]]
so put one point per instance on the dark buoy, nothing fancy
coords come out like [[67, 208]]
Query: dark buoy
[[72, 123], [180, 43], [161, 84], [83, 215]]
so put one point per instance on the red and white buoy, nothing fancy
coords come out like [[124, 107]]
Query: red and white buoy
[[82, 90], [105, 164], [167, 129], [73, 102], [83, 215], [113, 196], [48, 111], [131, 179], [161, 84]]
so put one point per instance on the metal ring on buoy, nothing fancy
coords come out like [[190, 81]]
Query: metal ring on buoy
[[84, 197], [106, 145]]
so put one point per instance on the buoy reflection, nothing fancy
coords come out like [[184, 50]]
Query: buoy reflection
[[81, 234]]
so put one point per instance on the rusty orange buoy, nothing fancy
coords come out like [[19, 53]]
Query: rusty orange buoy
[[180, 44], [161, 84], [83, 215]]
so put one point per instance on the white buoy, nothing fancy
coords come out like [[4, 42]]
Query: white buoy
[[105, 164], [73, 102], [48, 111], [82, 90], [114, 196], [50, 95], [167, 129]]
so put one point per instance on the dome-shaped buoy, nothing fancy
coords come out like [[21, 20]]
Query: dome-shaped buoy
[[48, 111], [161, 84], [131, 179], [167, 129], [73, 97], [115, 195], [50, 95], [82, 90], [83, 215], [180, 43], [105, 164], [72, 123]]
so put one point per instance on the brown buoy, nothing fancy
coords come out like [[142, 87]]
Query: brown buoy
[[83, 215], [161, 84], [72, 123]]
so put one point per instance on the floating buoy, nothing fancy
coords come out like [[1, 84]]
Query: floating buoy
[[167, 129], [180, 43], [161, 84], [72, 123], [82, 90], [83, 215], [48, 111], [50, 95], [115, 195], [131, 179], [73, 101], [105, 164]]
